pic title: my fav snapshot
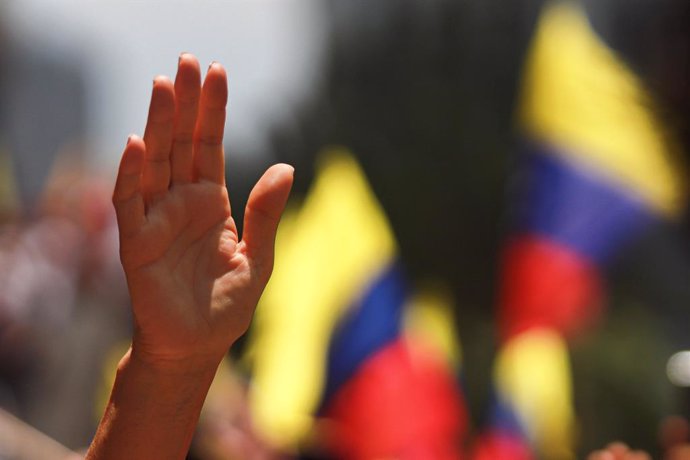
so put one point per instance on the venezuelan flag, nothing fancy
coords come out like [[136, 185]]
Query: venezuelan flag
[[596, 168], [339, 339]]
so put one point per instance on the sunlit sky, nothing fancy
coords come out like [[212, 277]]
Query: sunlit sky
[[271, 49]]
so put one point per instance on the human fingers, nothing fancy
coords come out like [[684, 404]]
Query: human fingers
[[614, 451], [208, 138], [187, 91], [158, 139], [619, 450], [264, 207], [601, 455], [637, 455], [127, 196]]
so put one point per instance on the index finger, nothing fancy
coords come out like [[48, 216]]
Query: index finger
[[158, 139]]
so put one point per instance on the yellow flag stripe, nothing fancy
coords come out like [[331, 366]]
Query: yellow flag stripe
[[579, 96], [532, 374], [337, 243]]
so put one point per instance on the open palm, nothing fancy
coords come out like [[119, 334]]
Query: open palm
[[194, 285]]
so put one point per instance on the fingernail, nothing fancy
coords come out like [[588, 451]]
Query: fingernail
[[129, 139], [211, 64], [182, 54]]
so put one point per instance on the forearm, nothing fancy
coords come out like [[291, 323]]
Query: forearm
[[153, 410]]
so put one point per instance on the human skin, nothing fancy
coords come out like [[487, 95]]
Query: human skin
[[193, 284], [618, 451]]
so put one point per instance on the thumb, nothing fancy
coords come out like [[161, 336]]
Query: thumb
[[262, 215]]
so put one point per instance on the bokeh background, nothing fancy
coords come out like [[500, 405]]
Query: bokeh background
[[445, 148]]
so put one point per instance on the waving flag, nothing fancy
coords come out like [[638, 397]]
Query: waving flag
[[331, 342], [596, 168]]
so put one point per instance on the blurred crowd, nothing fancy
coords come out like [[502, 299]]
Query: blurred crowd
[[486, 254]]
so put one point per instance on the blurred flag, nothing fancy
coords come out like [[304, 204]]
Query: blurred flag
[[329, 334], [391, 392], [596, 168]]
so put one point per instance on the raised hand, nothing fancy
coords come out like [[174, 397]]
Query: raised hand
[[194, 286]]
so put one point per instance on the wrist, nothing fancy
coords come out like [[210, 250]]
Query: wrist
[[182, 366], [183, 352]]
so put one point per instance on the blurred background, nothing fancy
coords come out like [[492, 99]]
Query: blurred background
[[486, 255]]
